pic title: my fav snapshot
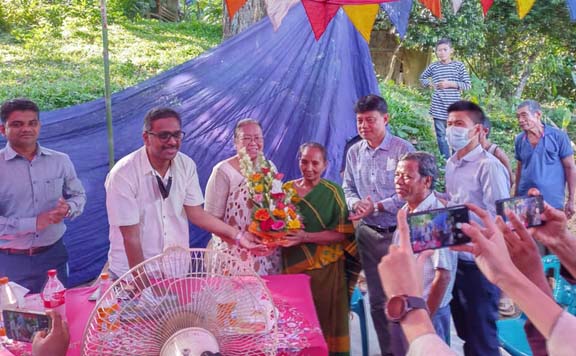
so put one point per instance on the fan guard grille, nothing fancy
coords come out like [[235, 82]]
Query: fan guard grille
[[179, 289]]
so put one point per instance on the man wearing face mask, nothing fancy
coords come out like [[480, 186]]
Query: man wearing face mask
[[473, 176]]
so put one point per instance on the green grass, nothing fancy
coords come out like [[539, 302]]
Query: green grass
[[65, 68]]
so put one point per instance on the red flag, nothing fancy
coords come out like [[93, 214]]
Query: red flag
[[319, 14], [486, 5], [433, 6], [233, 6]]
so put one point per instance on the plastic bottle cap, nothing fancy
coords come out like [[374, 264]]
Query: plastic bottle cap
[[4, 280], [104, 276], [52, 273]]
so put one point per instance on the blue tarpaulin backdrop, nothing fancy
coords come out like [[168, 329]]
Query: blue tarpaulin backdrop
[[298, 88]]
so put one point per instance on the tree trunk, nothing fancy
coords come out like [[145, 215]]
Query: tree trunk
[[252, 12], [525, 76], [393, 61]]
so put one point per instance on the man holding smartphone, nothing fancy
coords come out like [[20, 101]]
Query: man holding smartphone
[[473, 176], [369, 189], [414, 180]]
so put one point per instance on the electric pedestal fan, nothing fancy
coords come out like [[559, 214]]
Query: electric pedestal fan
[[184, 303]]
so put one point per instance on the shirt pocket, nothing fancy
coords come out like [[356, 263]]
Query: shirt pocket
[[52, 189], [551, 151]]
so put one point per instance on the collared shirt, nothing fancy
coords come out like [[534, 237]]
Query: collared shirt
[[442, 258], [370, 172], [133, 197], [29, 188], [542, 165], [478, 178]]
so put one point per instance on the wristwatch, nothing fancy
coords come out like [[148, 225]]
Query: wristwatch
[[399, 305]]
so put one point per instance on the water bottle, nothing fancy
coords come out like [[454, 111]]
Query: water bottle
[[7, 300], [108, 309], [103, 285], [54, 294]]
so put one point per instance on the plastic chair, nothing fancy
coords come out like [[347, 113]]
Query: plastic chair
[[511, 331], [512, 336], [357, 306]]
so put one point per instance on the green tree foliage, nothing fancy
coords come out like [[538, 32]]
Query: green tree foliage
[[533, 57]]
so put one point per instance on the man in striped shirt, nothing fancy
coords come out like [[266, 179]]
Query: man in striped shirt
[[447, 78]]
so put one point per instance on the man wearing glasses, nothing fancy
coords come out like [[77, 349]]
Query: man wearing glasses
[[38, 190], [153, 192]]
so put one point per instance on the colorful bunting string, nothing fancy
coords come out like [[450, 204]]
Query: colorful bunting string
[[277, 10], [363, 17], [456, 5], [486, 5], [233, 7], [524, 7], [399, 13], [433, 6], [572, 9]]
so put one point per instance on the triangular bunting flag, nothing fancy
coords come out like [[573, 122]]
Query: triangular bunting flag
[[363, 17], [524, 7], [277, 10], [433, 6], [456, 5], [399, 14], [572, 9], [233, 6], [319, 14], [486, 5]]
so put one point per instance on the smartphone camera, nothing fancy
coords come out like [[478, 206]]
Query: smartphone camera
[[21, 324], [438, 228], [528, 209]]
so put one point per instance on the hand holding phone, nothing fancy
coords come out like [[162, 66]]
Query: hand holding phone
[[21, 324], [528, 209], [438, 228]]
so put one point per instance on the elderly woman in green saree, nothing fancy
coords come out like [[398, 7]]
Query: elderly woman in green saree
[[321, 249]]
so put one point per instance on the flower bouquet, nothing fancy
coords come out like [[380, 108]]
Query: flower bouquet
[[274, 212]]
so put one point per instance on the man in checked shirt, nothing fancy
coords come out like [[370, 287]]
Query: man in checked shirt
[[369, 189]]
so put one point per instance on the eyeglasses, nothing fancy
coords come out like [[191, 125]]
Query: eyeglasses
[[247, 139], [165, 135]]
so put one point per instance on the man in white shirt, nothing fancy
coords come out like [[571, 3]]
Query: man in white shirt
[[414, 180], [153, 192], [473, 176]]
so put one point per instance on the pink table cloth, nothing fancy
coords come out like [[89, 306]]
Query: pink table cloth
[[299, 331]]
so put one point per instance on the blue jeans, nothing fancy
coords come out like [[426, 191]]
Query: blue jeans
[[372, 246], [440, 128], [30, 271], [475, 310], [441, 322]]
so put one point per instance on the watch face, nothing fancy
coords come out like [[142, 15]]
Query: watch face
[[396, 308]]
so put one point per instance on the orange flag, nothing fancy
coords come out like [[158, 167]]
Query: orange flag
[[363, 17], [233, 6], [524, 7], [433, 6]]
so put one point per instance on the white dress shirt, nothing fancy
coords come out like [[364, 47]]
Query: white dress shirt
[[478, 178], [133, 197]]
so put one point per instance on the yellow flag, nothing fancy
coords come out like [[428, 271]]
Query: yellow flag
[[524, 7], [363, 17]]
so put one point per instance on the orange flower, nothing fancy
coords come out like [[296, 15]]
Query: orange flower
[[292, 214], [256, 177], [261, 215], [259, 188], [279, 213], [295, 199]]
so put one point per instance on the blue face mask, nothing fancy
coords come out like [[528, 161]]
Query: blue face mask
[[457, 137]]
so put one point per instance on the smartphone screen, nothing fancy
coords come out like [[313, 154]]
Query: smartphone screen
[[528, 209], [21, 325], [438, 228]]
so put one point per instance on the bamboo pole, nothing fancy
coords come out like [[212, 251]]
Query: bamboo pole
[[107, 93]]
